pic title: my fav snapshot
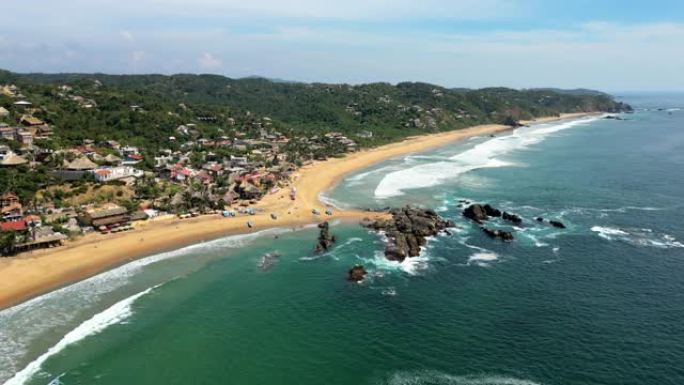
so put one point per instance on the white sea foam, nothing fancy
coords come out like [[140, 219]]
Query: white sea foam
[[115, 314], [638, 237], [440, 378], [483, 155], [326, 199], [331, 253], [482, 259], [31, 320]]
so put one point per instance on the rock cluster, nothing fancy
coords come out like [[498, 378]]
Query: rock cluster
[[501, 234], [356, 273], [480, 214], [407, 231], [554, 223], [325, 239]]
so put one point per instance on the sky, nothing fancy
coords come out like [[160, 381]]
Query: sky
[[626, 45]]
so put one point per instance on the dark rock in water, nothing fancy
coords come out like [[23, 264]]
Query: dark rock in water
[[501, 234], [511, 217], [356, 273], [613, 117], [407, 231], [325, 239], [491, 211], [540, 219], [557, 224], [475, 212]]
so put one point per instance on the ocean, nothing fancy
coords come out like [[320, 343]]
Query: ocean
[[601, 302]]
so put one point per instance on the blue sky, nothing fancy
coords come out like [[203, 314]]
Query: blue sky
[[603, 44]]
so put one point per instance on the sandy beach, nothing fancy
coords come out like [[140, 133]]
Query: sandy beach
[[30, 274]]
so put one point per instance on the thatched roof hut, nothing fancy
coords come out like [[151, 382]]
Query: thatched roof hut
[[81, 164]]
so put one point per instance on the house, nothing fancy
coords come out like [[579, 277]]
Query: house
[[12, 160], [28, 120], [7, 133], [109, 215], [10, 207], [25, 138], [43, 131], [249, 191], [33, 221], [13, 226], [162, 160], [133, 159], [23, 103], [106, 174], [76, 169], [81, 164], [113, 159], [129, 150], [238, 161]]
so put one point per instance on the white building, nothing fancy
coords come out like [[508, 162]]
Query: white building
[[107, 174]]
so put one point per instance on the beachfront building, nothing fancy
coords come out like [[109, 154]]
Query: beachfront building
[[109, 215], [107, 174], [10, 208]]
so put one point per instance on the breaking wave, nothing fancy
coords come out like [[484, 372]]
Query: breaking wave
[[482, 155], [115, 314], [24, 323], [440, 378], [482, 259], [638, 237]]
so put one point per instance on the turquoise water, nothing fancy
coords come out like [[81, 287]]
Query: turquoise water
[[599, 303]]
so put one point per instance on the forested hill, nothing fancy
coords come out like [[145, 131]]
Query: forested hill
[[388, 111]]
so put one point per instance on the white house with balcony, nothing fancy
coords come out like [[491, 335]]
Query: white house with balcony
[[107, 174]]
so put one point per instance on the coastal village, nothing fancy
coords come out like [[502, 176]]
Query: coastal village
[[107, 186]]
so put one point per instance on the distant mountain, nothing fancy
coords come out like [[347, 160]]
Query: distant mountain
[[576, 91]]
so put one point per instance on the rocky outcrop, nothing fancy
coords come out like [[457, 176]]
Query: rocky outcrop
[[356, 274], [325, 239], [407, 231], [492, 212], [475, 212], [500, 234], [480, 214], [511, 218], [557, 224], [554, 223]]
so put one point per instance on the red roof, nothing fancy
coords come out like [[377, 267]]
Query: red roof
[[13, 226], [136, 157]]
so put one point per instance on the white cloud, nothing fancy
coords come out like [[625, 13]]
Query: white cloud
[[209, 62], [349, 9], [126, 35]]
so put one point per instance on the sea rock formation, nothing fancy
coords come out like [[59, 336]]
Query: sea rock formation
[[511, 218], [475, 212], [501, 234], [480, 214], [557, 224], [407, 231], [325, 239], [554, 223], [356, 274]]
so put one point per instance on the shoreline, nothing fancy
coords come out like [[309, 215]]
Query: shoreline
[[30, 274]]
